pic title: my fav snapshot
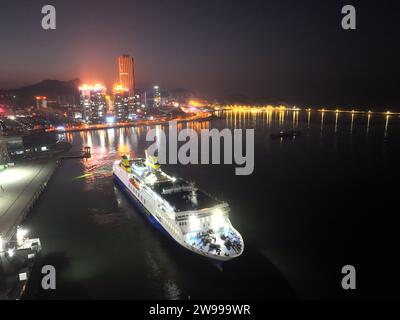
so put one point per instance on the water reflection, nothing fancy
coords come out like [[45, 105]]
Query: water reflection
[[295, 119], [103, 233], [386, 125], [322, 121], [352, 122], [368, 121], [111, 136], [336, 121]]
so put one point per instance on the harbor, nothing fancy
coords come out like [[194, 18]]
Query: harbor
[[103, 248]]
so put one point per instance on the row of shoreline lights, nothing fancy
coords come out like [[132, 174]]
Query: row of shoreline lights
[[354, 111], [284, 108]]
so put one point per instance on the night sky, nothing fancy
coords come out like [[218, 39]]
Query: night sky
[[292, 50]]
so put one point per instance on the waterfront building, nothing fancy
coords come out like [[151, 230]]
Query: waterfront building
[[93, 102], [156, 97], [122, 105], [41, 102]]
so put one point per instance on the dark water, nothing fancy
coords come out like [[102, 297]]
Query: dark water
[[313, 204]]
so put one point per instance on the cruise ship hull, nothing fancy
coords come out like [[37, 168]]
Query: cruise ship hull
[[149, 217], [139, 200]]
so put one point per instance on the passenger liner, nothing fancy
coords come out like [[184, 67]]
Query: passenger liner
[[191, 217]]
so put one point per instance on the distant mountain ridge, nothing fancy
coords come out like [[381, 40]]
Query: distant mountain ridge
[[53, 89]]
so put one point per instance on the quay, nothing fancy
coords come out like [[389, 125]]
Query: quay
[[85, 153], [94, 127], [21, 186]]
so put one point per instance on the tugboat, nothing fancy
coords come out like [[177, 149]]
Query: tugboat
[[191, 217]]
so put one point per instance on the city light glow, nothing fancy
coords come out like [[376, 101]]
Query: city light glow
[[118, 88], [89, 87]]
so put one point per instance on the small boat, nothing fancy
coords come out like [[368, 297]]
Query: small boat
[[286, 134]]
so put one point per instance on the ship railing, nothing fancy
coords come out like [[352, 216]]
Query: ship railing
[[184, 215], [178, 189]]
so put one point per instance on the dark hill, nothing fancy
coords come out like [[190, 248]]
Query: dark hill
[[55, 90]]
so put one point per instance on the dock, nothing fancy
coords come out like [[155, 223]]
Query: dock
[[84, 153], [21, 186]]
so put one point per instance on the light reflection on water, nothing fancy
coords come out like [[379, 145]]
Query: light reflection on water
[[277, 119], [290, 212]]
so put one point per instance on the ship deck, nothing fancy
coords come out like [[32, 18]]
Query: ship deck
[[184, 197], [223, 242]]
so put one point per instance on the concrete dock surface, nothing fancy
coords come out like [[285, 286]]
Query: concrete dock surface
[[20, 186]]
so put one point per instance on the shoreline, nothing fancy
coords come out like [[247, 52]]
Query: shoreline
[[131, 125], [20, 197], [16, 208]]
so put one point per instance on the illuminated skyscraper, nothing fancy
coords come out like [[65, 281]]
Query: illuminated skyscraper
[[41, 102], [126, 72], [157, 96], [93, 102], [122, 108]]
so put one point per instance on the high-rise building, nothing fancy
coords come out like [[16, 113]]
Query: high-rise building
[[41, 102], [122, 105], [93, 102], [126, 73], [157, 96]]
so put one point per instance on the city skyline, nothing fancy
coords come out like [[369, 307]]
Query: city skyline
[[262, 49]]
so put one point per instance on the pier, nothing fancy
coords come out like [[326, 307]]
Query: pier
[[84, 153], [21, 186]]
